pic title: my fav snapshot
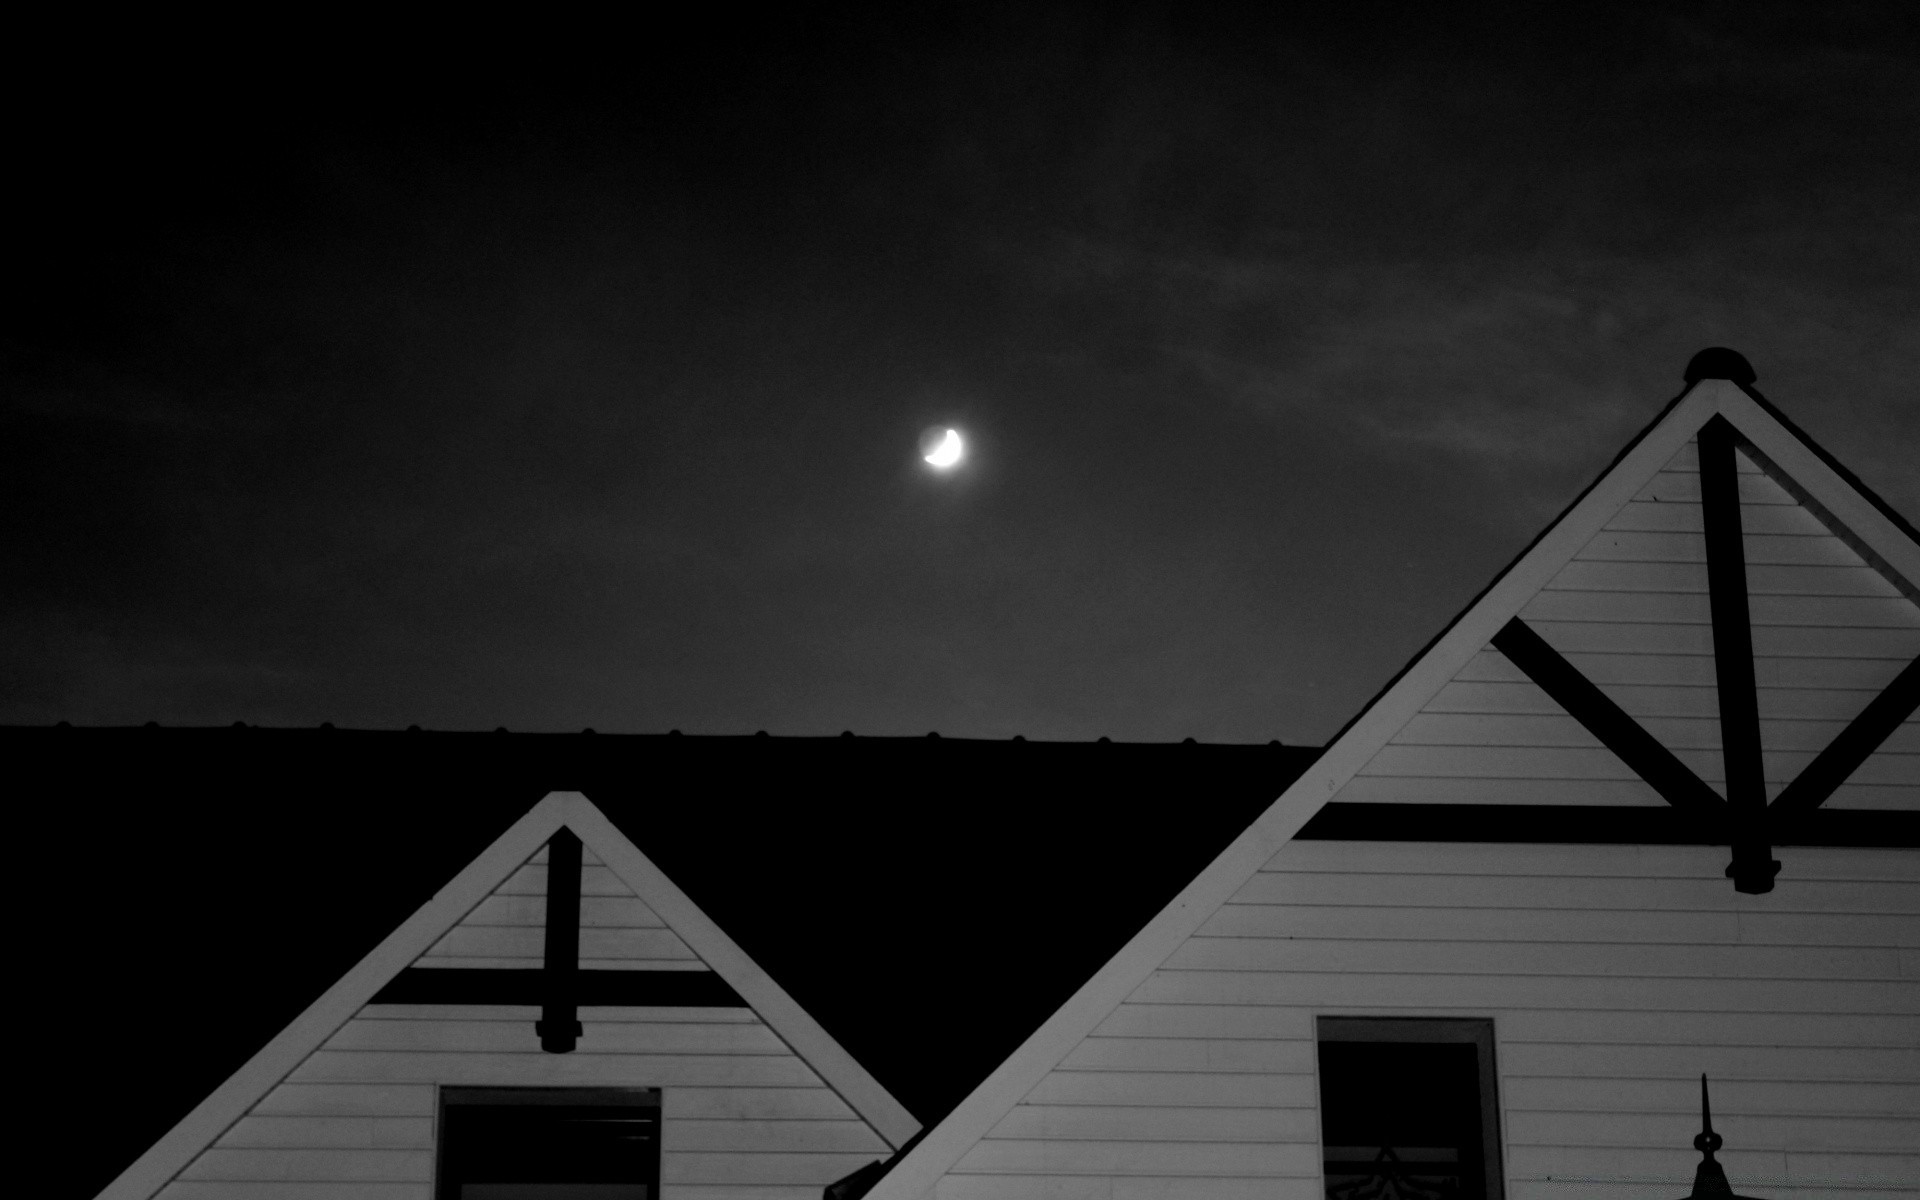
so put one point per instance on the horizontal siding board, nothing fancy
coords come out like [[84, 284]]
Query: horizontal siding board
[[1694, 608], [1675, 485], [362, 1165], [1190, 1054], [254, 1189], [1679, 1095], [590, 1013], [1836, 1063], [681, 1135], [596, 879], [1802, 737], [1158, 1124], [1763, 579], [1499, 762], [1824, 1167], [1690, 733], [1480, 924], [1162, 1088], [1203, 1021], [609, 912], [1611, 670], [742, 1191], [311, 1132], [529, 943], [699, 1167], [1827, 929], [536, 1069], [1652, 1164], [1412, 789], [1788, 1133], [1752, 1170], [1762, 549], [1475, 995], [1537, 958], [1659, 516], [1653, 701], [1554, 763], [1531, 891], [1107, 1187], [805, 1104], [1583, 1189], [1547, 729], [1627, 862], [1570, 925], [348, 1099], [1066, 1157], [1875, 799], [1769, 641], [600, 1037], [1600, 1026]]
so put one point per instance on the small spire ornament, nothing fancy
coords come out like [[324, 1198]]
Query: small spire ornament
[[1709, 1179]]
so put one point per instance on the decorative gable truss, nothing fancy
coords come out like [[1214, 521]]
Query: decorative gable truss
[[1723, 626], [1720, 451], [562, 912]]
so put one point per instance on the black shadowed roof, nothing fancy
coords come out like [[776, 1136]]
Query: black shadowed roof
[[929, 901]]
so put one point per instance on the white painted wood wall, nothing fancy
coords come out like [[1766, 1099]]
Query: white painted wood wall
[[1614, 976], [742, 1116]]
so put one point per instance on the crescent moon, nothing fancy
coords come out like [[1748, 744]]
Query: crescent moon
[[948, 451]]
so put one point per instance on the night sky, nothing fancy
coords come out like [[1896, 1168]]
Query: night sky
[[568, 377]]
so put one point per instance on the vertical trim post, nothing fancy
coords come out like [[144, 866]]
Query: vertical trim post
[[1753, 867], [559, 1025]]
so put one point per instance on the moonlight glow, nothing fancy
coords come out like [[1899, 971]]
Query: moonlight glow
[[946, 451]]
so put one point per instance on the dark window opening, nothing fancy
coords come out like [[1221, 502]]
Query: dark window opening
[[1407, 1109], [549, 1144]]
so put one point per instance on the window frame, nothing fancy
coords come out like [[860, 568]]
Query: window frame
[[1478, 1031], [448, 1096]]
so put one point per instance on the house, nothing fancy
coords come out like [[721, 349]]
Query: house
[[319, 962], [1649, 809]]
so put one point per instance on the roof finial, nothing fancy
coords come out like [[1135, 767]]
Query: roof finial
[[1709, 1179], [1718, 362]]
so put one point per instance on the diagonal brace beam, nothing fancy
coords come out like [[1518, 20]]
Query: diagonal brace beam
[[1604, 719], [1862, 736]]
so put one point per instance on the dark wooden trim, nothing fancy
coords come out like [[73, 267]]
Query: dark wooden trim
[[634, 989], [1753, 867], [559, 1024], [1862, 736], [1604, 719], [1593, 824]]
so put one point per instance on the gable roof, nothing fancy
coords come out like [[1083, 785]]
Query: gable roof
[[558, 810], [1861, 520], [192, 908]]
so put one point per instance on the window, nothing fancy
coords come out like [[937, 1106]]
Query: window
[[549, 1144], [1407, 1109]]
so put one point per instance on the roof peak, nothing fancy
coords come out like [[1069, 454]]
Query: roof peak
[[1718, 362]]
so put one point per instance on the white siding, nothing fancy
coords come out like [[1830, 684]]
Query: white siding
[[743, 1117], [1614, 975], [1631, 611]]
